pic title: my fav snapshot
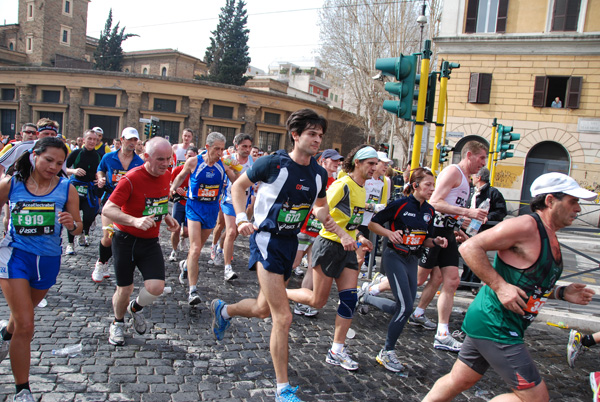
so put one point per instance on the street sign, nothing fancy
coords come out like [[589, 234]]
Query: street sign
[[153, 118], [145, 121]]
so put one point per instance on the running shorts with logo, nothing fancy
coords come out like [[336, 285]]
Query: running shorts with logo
[[441, 257], [130, 252], [512, 362]]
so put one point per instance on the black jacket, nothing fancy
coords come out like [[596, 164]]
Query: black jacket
[[497, 210]]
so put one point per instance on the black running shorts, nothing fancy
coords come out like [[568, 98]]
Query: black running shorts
[[130, 251], [438, 256]]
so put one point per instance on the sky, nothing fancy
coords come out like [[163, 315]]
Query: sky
[[279, 30]]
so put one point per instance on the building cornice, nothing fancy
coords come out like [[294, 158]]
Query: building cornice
[[535, 44]]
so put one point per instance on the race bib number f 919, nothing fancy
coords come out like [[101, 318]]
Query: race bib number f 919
[[33, 218]]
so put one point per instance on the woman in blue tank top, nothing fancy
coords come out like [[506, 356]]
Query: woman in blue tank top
[[40, 203]]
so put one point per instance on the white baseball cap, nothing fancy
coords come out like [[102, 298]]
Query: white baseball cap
[[98, 130], [560, 183], [129, 133], [383, 157]]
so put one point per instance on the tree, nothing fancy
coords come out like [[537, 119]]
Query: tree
[[354, 33], [227, 57], [109, 53]]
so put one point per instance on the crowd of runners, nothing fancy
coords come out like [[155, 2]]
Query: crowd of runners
[[321, 207]]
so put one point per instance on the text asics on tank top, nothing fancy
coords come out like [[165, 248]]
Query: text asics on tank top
[[458, 196]]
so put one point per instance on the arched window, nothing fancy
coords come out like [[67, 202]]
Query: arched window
[[11, 46], [145, 71], [163, 72]]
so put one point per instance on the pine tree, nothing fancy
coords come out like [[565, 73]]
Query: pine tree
[[227, 56], [109, 53]]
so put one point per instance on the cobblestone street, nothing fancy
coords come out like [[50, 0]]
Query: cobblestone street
[[178, 359]]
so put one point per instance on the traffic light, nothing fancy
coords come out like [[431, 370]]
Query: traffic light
[[404, 69], [444, 151], [505, 136], [430, 99], [154, 130], [385, 147], [147, 130]]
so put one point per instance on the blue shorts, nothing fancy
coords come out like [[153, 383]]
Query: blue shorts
[[202, 212], [227, 208], [40, 271], [275, 253], [179, 214]]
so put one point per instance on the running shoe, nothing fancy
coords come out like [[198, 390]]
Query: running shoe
[[4, 345], [100, 272], [362, 291], [574, 347], [23, 396], [70, 250], [219, 324], [447, 343], [173, 256], [219, 258], [422, 321], [341, 359], [304, 262], [389, 360], [288, 394], [194, 298], [213, 251], [364, 267], [183, 275], [377, 279], [298, 272], [305, 309], [595, 384], [229, 274], [137, 319], [116, 336], [83, 241]]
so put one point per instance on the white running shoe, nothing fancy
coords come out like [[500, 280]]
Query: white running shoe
[[184, 274], [341, 359], [100, 272], [70, 250], [304, 309], [173, 256], [219, 258], [229, 273], [116, 336], [298, 271], [447, 343]]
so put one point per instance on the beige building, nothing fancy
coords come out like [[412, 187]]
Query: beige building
[[45, 71], [516, 58]]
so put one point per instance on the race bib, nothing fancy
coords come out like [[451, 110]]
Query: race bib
[[157, 207], [33, 218], [355, 219], [117, 175], [292, 217], [208, 192], [313, 225], [535, 303], [371, 202], [82, 190], [181, 162], [414, 238]]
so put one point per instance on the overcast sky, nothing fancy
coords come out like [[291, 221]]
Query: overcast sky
[[279, 30]]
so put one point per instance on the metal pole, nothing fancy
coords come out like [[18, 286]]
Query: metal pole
[[420, 119], [492, 145]]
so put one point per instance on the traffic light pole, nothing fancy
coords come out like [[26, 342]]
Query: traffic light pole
[[492, 147], [420, 119], [439, 124]]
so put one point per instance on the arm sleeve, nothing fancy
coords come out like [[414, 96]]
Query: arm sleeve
[[265, 169], [71, 158]]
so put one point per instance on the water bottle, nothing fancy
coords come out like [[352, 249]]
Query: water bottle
[[475, 224], [71, 350]]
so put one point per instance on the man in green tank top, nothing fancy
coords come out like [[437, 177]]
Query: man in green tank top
[[527, 266]]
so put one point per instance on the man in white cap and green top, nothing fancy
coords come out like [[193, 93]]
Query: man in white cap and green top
[[524, 275]]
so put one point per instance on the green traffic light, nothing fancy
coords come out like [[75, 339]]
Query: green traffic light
[[402, 68], [505, 136]]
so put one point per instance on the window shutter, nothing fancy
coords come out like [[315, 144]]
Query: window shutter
[[539, 91], [502, 14], [485, 88], [473, 87], [559, 15], [573, 93], [471, 24]]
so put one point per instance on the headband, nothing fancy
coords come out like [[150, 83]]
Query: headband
[[40, 129], [365, 153]]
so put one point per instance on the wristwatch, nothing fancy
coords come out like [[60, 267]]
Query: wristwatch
[[74, 227]]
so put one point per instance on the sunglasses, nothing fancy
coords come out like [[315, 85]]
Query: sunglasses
[[29, 132]]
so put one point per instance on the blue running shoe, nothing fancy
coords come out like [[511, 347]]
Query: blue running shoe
[[288, 394], [219, 324]]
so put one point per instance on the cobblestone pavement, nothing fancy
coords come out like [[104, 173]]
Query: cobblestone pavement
[[178, 359]]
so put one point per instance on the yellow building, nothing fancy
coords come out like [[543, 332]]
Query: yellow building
[[516, 58]]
